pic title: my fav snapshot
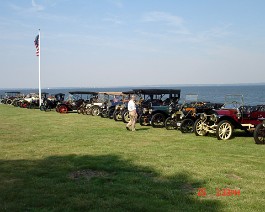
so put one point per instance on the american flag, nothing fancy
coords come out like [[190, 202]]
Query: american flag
[[36, 42]]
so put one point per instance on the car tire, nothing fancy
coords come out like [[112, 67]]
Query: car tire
[[187, 126], [110, 113], [158, 120], [104, 113], [79, 110], [117, 116], [125, 116], [144, 120], [63, 109], [199, 129], [169, 124], [259, 134], [95, 111], [224, 130]]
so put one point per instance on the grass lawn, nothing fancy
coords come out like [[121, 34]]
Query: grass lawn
[[71, 162]]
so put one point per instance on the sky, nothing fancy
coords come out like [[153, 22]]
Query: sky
[[108, 43]]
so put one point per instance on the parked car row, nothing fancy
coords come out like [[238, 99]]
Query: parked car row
[[157, 108]]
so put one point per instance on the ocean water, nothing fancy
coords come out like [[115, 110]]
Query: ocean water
[[253, 94]]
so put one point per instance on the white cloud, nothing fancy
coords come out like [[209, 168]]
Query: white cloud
[[163, 17], [117, 3], [36, 6], [114, 20]]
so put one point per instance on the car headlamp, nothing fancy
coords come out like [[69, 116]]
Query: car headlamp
[[203, 116], [214, 118]]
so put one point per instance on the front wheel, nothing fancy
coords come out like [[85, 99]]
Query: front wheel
[[117, 116], [170, 124], [187, 126], [104, 113], [259, 134], [158, 120], [224, 130], [144, 120], [126, 116], [111, 112], [95, 111], [200, 128], [63, 109]]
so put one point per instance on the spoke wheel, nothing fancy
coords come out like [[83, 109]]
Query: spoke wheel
[[158, 120], [187, 126], [95, 111], [224, 130], [63, 109], [104, 113], [199, 128], [259, 134], [144, 120], [170, 124], [111, 112], [117, 116], [126, 116]]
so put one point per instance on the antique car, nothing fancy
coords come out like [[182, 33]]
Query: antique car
[[9, 97], [31, 100], [105, 99], [52, 101], [259, 133], [155, 111], [112, 99], [74, 101], [233, 115], [120, 108], [184, 116]]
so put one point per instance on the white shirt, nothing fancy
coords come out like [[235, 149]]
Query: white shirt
[[131, 105]]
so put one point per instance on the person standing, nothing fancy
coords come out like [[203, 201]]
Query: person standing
[[132, 114]]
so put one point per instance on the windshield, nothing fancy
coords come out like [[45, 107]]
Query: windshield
[[233, 101]]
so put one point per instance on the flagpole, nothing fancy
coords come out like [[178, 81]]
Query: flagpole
[[39, 73]]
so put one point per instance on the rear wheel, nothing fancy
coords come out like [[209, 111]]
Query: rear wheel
[[144, 120], [88, 111], [95, 111], [111, 112], [80, 110], [158, 120], [117, 116], [63, 109], [187, 126], [104, 113], [170, 124], [126, 116], [42, 108], [224, 130], [259, 134], [199, 128]]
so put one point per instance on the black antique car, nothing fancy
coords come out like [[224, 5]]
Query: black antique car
[[154, 108], [74, 101], [10, 96], [233, 115], [113, 99], [184, 116], [51, 102]]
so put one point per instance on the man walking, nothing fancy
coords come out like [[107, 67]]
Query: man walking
[[132, 114]]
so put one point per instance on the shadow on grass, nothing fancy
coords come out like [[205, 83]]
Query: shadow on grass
[[142, 129], [105, 183]]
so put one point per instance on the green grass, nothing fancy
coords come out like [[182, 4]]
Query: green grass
[[71, 162]]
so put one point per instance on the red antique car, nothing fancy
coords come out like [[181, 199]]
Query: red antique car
[[233, 115]]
